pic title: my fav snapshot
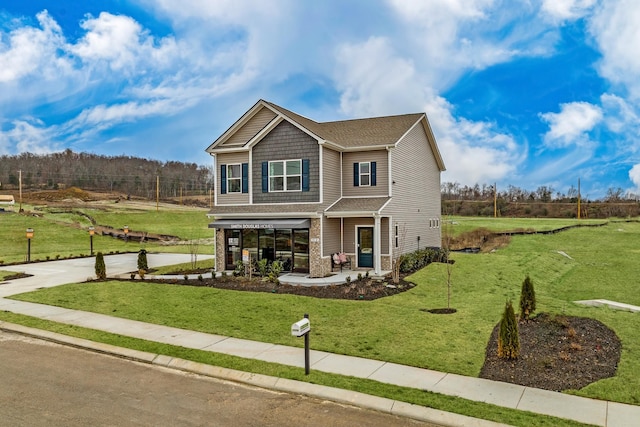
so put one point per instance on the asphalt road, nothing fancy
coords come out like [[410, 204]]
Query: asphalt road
[[45, 384]]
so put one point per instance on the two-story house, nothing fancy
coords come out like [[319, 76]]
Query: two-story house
[[292, 189]]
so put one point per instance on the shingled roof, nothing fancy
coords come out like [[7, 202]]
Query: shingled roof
[[354, 133]]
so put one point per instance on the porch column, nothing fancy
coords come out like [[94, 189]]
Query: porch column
[[377, 249]]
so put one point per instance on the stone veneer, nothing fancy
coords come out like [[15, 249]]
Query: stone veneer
[[220, 254]]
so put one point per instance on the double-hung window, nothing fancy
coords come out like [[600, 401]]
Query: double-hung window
[[285, 175], [364, 174], [234, 178]]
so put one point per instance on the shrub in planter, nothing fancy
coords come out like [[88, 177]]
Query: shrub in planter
[[527, 299], [508, 336], [101, 269]]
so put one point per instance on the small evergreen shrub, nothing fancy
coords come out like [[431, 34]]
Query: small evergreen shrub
[[527, 299], [101, 269], [200, 278], [263, 267], [508, 337], [142, 261]]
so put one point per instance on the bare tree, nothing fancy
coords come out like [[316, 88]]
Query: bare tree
[[398, 252]]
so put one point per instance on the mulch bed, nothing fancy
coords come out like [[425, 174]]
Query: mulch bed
[[556, 353], [365, 289]]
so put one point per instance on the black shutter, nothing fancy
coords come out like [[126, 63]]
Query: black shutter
[[223, 179], [356, 174], [373, 173], [305, 174], [265, 177], [245, 177]]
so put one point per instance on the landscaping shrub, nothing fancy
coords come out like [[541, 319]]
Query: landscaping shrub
[[508, 338], [101, 269], [527, 299], [142, 261], [419, 259]]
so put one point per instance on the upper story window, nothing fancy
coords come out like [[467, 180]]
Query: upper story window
[[285, 175], [234, 178], [364, 174]]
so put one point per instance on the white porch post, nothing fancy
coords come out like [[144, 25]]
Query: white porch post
[[377, 259]]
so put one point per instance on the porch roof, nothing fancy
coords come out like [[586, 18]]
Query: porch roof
[[357, 206], [262, 223], [291, 210]]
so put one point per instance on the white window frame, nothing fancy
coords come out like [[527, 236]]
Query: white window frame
[[234, 178], [364, 174], [285, 177]]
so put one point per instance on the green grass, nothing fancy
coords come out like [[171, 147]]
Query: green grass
[[418, 397], [462, 224], [394, 328], [62, 233], [185, 267]]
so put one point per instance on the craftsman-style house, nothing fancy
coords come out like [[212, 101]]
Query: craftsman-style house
[[292, 189]]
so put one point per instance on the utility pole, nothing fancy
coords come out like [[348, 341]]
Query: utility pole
[[578, 198], [495, 200], [20, 185]]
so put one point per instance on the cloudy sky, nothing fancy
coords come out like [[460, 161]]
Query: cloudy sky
[[525, 93]]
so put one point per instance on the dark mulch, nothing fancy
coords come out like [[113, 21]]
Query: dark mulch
[[364, 289], [556, 353]]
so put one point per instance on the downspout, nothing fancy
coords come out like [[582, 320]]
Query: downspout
[[376, 245]]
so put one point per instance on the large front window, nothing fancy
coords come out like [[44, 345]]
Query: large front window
[[285, 175], [234, 178]]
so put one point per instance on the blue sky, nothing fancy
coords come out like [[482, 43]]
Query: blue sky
[[525, 93]]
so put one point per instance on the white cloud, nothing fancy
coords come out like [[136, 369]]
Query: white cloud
[[571, 125], [33, 51], [634, 176], [27, 136], [617, 33], [374, 80], [566, 9]]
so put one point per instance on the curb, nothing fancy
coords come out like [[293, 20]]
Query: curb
[[347, 397]]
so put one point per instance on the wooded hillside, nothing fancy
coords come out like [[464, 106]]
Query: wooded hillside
[[129, 175]]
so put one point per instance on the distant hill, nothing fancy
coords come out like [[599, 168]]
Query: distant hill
[[125, 174]]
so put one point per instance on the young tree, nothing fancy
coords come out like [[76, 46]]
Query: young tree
[[527, 299], [508, 338], [101, 269]]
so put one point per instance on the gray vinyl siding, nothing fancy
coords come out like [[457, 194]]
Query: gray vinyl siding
[[415, 192], [228, 159], [381, 157], [330, 236], [330, 176], [286, 142], [384, 236], [250, 129]]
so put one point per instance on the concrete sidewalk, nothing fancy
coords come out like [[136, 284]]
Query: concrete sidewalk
[[584, 410]]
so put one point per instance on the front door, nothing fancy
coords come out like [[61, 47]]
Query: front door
[[365, 247]]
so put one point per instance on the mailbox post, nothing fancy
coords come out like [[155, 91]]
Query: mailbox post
[[29, 237], [299, 329]]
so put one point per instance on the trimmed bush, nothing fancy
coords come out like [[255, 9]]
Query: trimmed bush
[[527, 299], [142, 261], [508, 337], [101, 269], [419, 259]]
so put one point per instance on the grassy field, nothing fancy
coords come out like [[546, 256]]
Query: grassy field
[[582, 263], [64, 232], [462, 224]]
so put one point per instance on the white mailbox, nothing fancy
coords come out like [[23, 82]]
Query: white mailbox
[[300, 328]]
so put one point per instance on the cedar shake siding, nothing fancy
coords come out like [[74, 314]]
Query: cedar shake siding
[[286, 142], [415, 198], [381, 187]]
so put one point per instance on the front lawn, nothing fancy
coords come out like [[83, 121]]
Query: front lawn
[[582, 263]]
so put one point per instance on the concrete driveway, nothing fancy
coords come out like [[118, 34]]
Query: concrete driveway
[[55, 273]]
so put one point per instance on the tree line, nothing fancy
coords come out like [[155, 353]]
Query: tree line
[[544, 201], [125, 174]]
